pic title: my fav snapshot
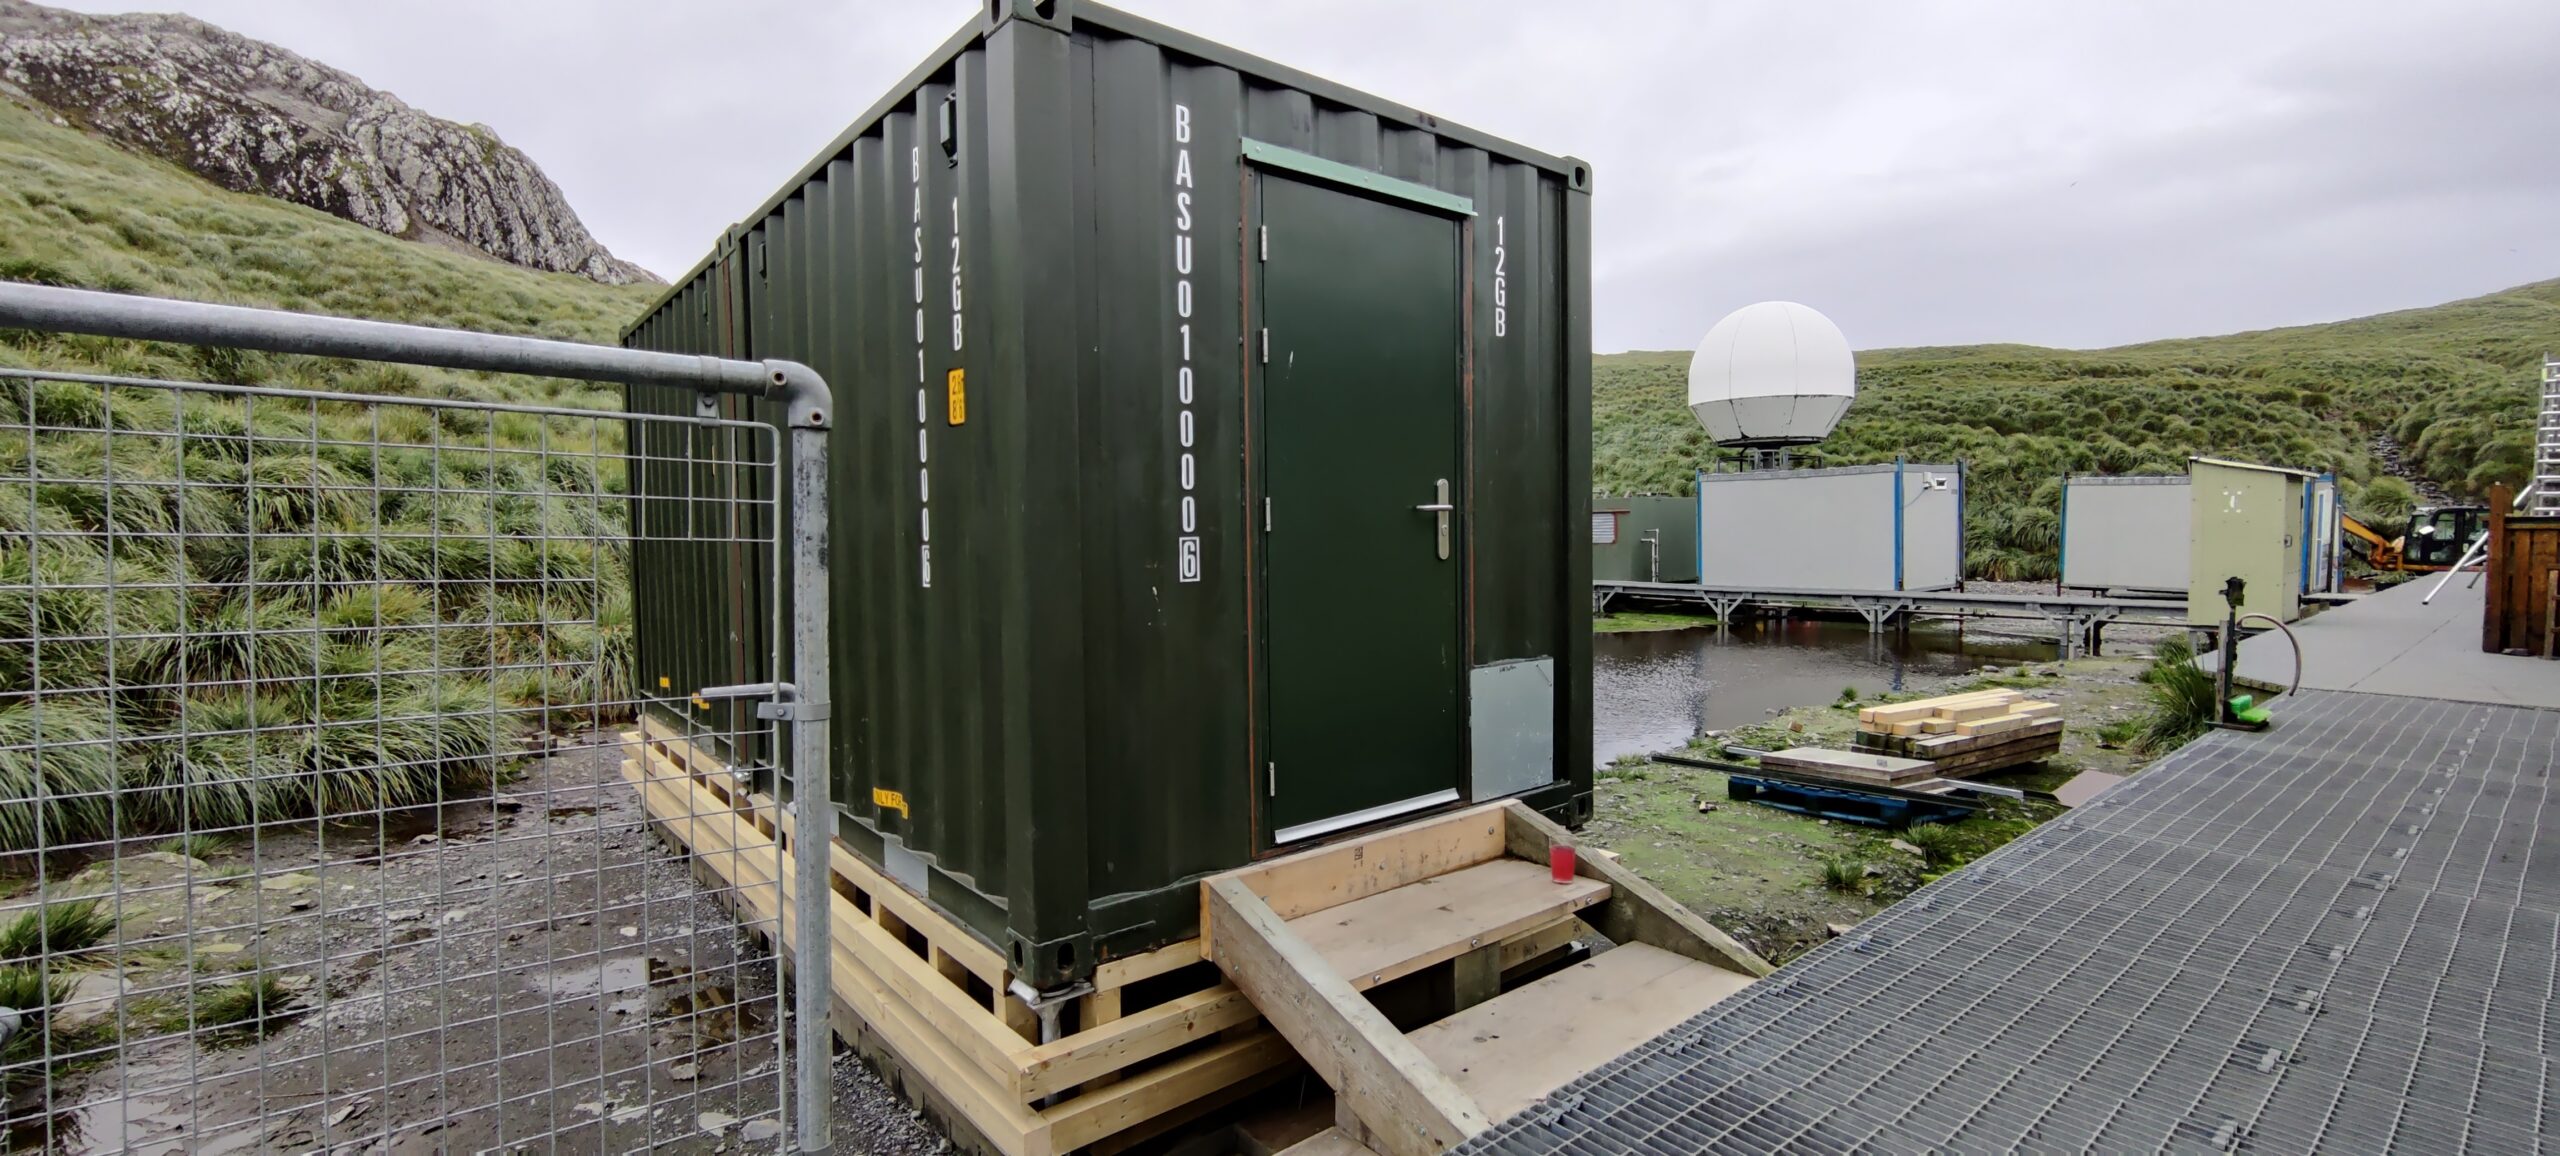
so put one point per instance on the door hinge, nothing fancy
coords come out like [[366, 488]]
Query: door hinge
[[1265, 232], [1266, 347], [1271, 779], [1266, 515]]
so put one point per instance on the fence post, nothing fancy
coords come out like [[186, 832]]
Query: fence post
[[811, 769]]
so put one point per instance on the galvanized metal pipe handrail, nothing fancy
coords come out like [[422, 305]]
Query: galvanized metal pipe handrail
[[59, 310], [807, 406]]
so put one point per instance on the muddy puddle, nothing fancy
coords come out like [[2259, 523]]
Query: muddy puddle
[[531, 968]]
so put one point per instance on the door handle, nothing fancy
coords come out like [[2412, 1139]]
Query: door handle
[[1439, 509]]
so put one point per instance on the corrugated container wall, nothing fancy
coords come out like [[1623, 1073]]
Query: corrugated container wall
[[1210, 469], [2125, 533], [1644, 538], [1890, 526]]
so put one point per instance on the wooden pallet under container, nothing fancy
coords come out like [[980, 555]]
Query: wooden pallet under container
[[1160, 1040]]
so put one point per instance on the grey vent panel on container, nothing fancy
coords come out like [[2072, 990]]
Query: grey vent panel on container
[[2334, 936]]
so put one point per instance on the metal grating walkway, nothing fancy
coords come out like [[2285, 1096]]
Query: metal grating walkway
[[2338, 935]]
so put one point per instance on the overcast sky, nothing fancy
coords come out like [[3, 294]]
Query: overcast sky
[[1926, 173]]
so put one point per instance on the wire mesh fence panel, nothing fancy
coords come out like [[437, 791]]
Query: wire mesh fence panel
[[324, 810]]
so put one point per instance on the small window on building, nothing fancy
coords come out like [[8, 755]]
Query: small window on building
[[1604, 527]]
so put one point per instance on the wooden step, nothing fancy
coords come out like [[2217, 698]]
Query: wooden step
[[1330, 1142], [1525, 1043], [1398, 932], [1429, 892]]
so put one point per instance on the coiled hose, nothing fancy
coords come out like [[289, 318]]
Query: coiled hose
[[2289, 639]]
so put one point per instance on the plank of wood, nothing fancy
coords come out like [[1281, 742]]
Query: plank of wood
[[1908, 728], [1138, 1135], [1374, 1071], [1475, 976], [1529, 945], [1106, 1048], [1959, 743], [1949, 746], [1330, 1142], [1968, 712], [1396, 933], [1968, 745], [1509, 1051], [2035, 707], [1310, 881], [1637, 911], [2000, 725], [1920, 708], [1858, 765], [1125, 971], [1938, 726], [1156, 1091], [2002, 758]]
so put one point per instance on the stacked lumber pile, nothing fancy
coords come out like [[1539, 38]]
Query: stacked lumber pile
[[1964, 734], [1851, 766]]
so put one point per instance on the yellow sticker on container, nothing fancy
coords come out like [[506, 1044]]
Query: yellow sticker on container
[[663, 683], [889, 800], [959, 389]]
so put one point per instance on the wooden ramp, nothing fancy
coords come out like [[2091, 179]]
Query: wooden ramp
[[1404, 968]]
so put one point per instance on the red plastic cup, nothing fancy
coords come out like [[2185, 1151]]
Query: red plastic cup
[[1560, 863]]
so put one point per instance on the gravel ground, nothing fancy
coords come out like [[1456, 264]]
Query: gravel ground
[[527, 969]]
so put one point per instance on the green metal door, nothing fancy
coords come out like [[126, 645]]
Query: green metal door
[[1360, 412]]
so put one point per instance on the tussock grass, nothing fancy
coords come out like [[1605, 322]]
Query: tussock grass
[[194, 846], [245, 1009], [2182, 699], [1844, 875], [303, 570], [31, 992], [60, 934], [1939, 843]]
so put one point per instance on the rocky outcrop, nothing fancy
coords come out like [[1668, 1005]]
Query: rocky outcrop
[[253, 117]]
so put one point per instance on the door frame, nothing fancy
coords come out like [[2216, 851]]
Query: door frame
[[1262, 161]]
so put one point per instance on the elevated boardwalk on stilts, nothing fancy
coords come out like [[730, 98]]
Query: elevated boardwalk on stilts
[[2079, 621]]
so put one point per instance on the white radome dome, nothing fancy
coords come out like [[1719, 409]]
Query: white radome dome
[[1772, 374]]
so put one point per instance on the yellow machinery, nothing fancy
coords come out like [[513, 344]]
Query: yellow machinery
[[2433, 540]]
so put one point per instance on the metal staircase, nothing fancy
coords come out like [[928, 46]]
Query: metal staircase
[[2546, 454]]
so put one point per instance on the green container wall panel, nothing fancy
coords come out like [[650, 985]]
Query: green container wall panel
[[1625, 560], [705, 512], [1054, 740]]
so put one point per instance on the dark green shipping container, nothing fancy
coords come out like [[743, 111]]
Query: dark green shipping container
[[1211, 467], [1644, 538]]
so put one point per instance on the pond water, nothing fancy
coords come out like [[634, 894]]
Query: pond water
[[1655, 690]]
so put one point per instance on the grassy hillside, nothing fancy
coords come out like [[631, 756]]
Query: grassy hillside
[[2456, 384], [322, 584], [75, 210]]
